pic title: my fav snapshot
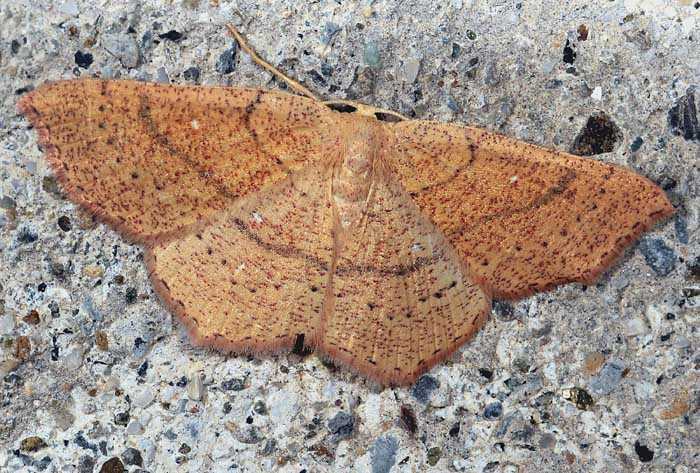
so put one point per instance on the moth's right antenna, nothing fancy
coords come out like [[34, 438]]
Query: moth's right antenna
[[261, 62]]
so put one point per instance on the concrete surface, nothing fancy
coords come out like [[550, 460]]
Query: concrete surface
[[95, 375]]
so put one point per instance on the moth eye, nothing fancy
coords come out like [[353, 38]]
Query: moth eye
[[342, 107], [387, 117]]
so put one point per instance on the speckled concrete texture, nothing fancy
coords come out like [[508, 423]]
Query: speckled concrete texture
[[96, 376]]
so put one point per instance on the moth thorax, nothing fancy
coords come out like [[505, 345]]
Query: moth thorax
[[352, 178]]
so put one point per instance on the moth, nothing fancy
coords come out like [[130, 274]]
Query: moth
[[270, 219]]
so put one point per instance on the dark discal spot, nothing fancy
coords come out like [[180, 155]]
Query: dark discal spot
[[599, 135], [134, 175], [209, 251], [314, 289], [299, 347], [437, 295], [223, 262], [251, 106], [371, 306], [341, 107], [455, 174]]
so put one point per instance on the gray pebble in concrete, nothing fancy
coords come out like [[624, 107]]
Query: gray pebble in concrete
[[372, 55], [132, 456], [658, 255], [493, 411], [342, 424], [383, 454], [123, 47], [191, 73], [608, 378], [683, 117], [226, 63], [680, 225], [86, 464], [424, 388], [330, 29], [491, 77]]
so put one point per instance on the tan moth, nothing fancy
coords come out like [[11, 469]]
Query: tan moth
[[269, 218]]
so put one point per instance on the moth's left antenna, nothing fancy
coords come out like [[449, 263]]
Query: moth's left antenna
[[263, 63]]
